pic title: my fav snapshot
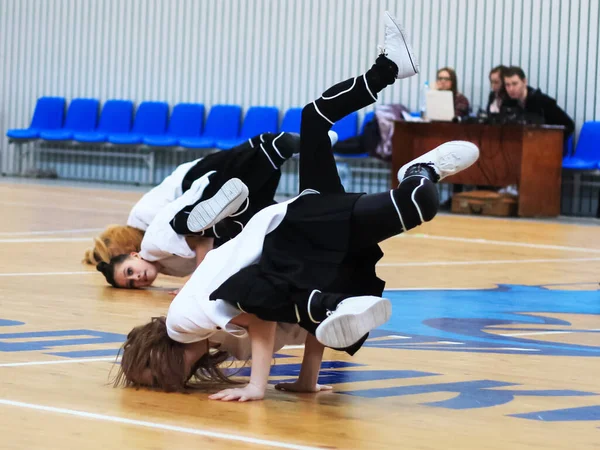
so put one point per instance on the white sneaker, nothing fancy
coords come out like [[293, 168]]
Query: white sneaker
[[353, 318], [224, 203], [447, 159], [397, 48]]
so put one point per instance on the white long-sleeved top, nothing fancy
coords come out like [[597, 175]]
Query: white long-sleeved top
[[193, 316], [161, 244], [146, 209], [153, 212]]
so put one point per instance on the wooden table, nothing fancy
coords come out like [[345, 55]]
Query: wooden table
[[529, 156]]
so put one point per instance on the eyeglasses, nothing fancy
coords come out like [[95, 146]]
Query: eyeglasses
[[444, 79]]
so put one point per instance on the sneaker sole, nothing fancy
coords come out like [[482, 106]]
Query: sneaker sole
[[404, 34], [437, 154], [343, 330], [224, 203]]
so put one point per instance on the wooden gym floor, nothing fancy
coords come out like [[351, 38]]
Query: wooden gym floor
[[494, 343]]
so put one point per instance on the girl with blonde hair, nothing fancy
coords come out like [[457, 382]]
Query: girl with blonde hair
[[114, 240], [201, 205]]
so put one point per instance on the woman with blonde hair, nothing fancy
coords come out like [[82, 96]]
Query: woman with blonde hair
[[114, 240], [202, 204], [118, 239]]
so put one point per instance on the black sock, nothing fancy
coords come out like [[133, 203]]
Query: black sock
[[424, 170], [381, 74], [319, 303]]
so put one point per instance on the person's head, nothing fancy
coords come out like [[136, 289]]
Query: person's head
[[151, 358], [515, 83], [129, 270], [115, 240], [497, 79], [446, 80]]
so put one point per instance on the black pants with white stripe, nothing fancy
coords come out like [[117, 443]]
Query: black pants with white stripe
[[256, 162], [374, 217]]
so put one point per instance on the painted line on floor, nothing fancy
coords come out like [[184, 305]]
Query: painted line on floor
[[539, 333], [50, 232], [25, 241], [480, 262], [44, 274], [157, 426], [72, 195], [100, 211], [59, 361], [493, 242]]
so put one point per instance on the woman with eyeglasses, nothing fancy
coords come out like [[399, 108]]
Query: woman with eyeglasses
[[446, 81]]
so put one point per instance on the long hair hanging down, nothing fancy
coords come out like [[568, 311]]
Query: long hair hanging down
[[149, 347], [501, 70], [114, 240]]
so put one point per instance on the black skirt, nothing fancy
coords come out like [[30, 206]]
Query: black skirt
[[309, 250]]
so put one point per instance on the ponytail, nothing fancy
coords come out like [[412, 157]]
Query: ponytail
[[108, 269]]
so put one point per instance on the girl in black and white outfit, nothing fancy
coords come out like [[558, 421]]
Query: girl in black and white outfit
[[304, 268], [198, 207]]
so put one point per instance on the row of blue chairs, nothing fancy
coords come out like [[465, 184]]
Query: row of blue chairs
[[152, 125], [587, 153]]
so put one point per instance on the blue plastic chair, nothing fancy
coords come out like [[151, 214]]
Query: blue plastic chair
[[368, 118], [223, 122], [82, 115], [568, 147], [150, 119], [115, 118], [48, 115], [587, 153], [259, 119], [186, 121], [347, 127], [292, 120]]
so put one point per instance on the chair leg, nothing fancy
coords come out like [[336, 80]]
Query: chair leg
[[576, 204], [150, 161]]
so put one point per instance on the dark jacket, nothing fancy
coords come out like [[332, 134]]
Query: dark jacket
[[539, 108]]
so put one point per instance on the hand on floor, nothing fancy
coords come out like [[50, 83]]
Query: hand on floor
[[298, 386], [247, 393]]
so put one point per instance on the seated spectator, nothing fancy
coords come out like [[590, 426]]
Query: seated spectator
[[530, 105], [446, 81], [498, 93]]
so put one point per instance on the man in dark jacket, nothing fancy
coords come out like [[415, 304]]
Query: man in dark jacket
[[529, 104]]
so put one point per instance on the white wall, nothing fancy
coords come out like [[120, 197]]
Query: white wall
[[283, 52]]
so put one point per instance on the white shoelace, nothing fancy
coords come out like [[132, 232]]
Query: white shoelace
[[242, 210]]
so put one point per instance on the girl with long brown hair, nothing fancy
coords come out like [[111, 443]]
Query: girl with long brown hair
[[301, 268]]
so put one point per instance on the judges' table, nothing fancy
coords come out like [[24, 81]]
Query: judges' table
[[529, 156]]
